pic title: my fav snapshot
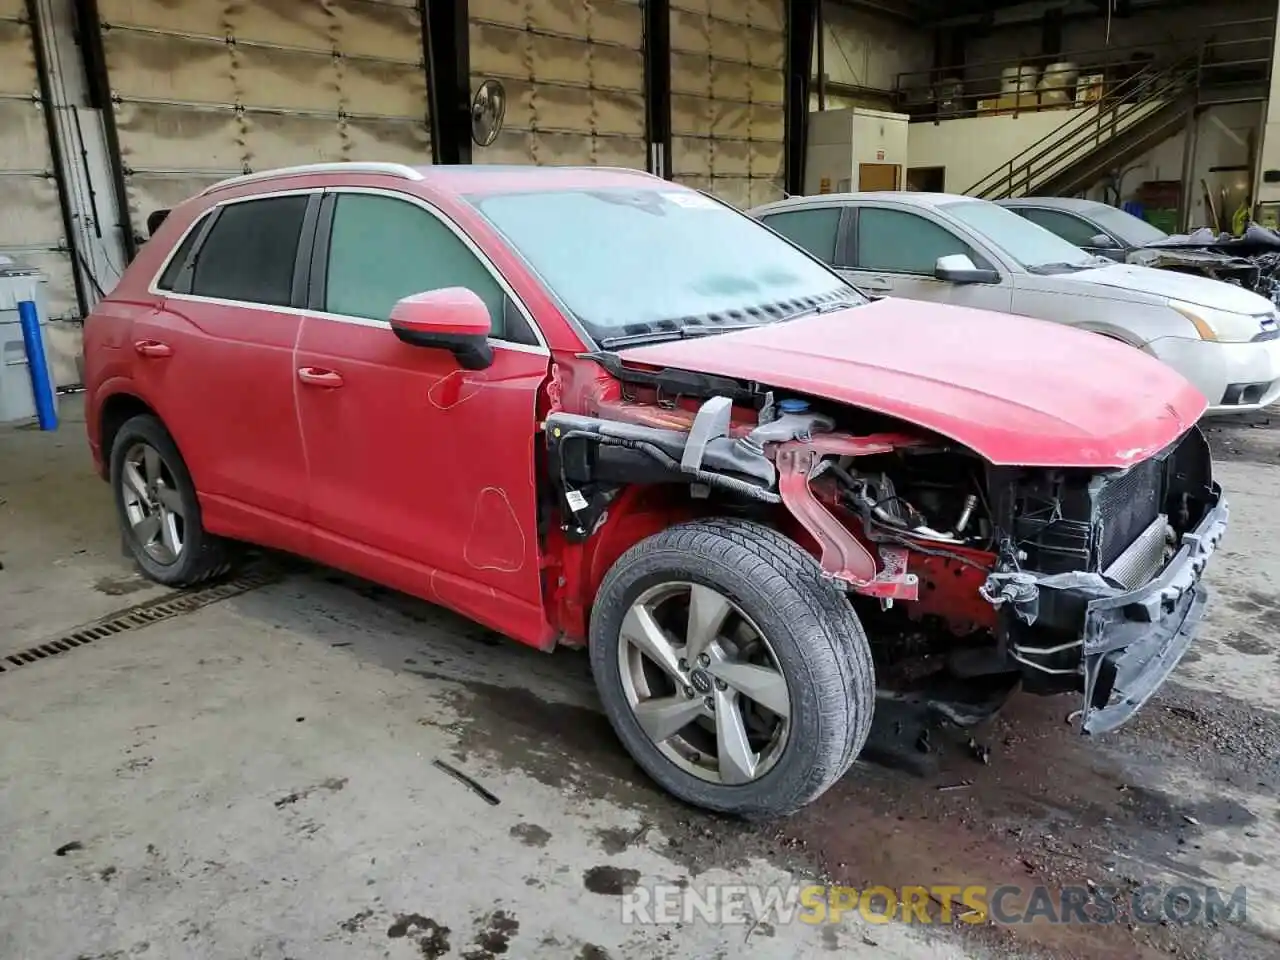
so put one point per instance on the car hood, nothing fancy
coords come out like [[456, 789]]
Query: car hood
[[1186, 287], [1012, 389]]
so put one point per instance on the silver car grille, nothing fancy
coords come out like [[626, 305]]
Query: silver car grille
[[1143, 558]]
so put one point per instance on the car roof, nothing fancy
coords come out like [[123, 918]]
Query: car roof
[[484, 177], [911, 198], [1070, 204], [461, 178]]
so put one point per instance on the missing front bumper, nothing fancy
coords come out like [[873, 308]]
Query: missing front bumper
[[1131, 640], [1123, 678]]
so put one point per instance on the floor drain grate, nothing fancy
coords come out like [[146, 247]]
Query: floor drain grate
[[142, 615]]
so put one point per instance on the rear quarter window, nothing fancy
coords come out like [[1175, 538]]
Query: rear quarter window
[[173, 269], [249, 254]]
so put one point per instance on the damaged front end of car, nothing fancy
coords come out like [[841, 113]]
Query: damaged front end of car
[[1098, 581], [1066, 580], [1251, 261], [1244, 272]]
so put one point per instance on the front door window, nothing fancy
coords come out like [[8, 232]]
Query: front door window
[[896, 242]]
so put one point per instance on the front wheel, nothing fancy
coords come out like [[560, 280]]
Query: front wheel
[[734, 673]]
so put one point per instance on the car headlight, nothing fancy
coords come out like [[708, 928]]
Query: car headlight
[[1224, 325]]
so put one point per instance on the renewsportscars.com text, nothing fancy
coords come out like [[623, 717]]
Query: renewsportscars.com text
[[933, 904]]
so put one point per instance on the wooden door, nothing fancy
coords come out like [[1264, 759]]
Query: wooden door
[[878, 176]]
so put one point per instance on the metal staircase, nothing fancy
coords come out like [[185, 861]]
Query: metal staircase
[[1130, 119]]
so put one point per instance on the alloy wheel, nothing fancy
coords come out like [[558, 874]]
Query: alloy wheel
[[152, 504], [703, 683]]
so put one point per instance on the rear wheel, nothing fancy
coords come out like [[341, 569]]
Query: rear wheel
[[736, 675], [158, 509]]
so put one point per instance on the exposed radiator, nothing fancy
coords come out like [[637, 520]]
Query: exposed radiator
[[1143, 558]]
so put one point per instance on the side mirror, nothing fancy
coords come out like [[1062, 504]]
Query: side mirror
[[1102, 242], [958, 268], [155, 219], [452, 319]]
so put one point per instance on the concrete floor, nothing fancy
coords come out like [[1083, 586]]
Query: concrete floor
[[256, 778]]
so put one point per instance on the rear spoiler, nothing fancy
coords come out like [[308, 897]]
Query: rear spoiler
[[154, 219]]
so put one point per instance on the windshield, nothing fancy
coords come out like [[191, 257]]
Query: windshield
[[1132, 230], [1034, 247], [629, 262]]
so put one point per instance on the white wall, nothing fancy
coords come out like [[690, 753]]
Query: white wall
[[1270, 152], [971, 147], [1222, 139], [864, 49]]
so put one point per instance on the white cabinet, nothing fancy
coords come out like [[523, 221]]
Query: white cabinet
[[855, 149]]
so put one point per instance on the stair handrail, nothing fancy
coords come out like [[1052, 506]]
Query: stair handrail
[[1152, 85], [1034, 168], [1100, 166], [1260, 29], [1085, 120]]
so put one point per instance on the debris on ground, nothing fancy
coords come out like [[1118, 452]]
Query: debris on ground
[[467, 781]]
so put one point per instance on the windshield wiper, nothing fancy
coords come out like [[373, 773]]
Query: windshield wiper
[[823, 308], [684, 333]]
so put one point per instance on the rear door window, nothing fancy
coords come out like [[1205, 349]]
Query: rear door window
[[250, 253], [814, 230]]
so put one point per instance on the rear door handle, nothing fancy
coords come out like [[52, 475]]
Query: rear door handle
[[152, 348], [316, 377]]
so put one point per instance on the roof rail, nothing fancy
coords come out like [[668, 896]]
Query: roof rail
[[400, 170]]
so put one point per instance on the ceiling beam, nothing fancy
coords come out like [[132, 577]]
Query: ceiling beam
[[910, 12], [996, 14]]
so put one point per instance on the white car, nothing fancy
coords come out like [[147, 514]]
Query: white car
[[968, 252]]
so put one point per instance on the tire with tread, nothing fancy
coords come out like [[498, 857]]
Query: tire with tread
[[203, 556], [816, 638]]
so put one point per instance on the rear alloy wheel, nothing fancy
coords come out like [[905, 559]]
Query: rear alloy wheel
[[158, 509], [152, 504], [735, 674]]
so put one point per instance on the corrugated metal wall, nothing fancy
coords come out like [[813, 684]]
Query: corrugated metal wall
[[727, 89], [205, 89], [31, 227], [574, 75]]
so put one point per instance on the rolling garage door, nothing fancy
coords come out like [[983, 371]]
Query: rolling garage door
[[31, 225], [727, 84], [205, 89], [574, 75]]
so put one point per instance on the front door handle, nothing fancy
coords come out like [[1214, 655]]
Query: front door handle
[[878, 284], [317, 377], [152, 348]]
